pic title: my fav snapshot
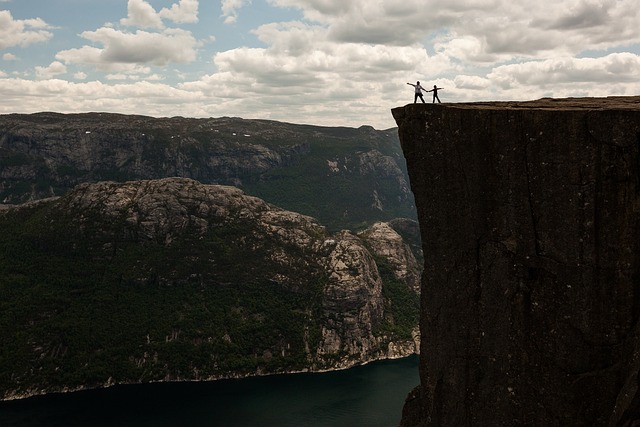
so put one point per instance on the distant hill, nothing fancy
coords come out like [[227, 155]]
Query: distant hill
[[171, 279], [344, 177]]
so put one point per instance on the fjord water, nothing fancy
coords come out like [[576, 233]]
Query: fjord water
[[371, 395]]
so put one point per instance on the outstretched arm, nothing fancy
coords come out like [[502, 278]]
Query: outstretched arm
[[410, 84]]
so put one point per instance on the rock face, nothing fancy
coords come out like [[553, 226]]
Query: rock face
[[530, 216], [172, 279]]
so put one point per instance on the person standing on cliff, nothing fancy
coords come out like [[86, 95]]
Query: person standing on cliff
[[435, 93], [419, 90]]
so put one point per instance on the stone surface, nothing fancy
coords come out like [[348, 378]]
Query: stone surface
[[529, 216]]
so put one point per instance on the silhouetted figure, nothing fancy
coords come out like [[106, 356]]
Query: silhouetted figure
[[419, 90], [435, 92]]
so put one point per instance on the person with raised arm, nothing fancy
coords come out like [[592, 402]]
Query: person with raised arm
[[418, 92], [435, 92]]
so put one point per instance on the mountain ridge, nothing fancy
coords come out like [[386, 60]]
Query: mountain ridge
[[358, 172]]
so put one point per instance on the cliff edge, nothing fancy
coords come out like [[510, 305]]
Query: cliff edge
[[529, 215]]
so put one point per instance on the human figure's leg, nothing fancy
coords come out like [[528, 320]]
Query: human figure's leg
[[415, 98]]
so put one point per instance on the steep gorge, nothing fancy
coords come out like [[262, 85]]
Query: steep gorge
[[530, 223]]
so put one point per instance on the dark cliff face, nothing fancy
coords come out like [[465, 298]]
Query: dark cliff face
[[529, 216]]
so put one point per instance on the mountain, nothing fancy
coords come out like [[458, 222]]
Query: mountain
[[172, 279], [346, 178], [530, 222]]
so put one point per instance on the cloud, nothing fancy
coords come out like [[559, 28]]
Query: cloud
[[563, 72], [9, 57], [22, 32], [489, 29], [186, 11], [471, 82], [124, 51], [54, 69], [152, 98], [142, 14], [304, 58], [230, 9]]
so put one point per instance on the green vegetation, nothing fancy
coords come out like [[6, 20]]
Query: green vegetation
[[341, 198], [8, 158], [402, 305], [81, 305]]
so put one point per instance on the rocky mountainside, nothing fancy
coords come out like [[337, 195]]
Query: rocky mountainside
[[530, 225], [171, 279], [344, 177]]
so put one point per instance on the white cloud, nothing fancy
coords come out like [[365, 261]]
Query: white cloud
[[230, 9], [598, 72], [124, 51], [300, 60], [54, 69], [9, 57], [485, 29], [186, 11], [135, 76], [22, 32], [152, 98], [142, 14], [471, 82], [80, 75]]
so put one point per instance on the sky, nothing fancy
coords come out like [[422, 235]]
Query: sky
[[321, 62]]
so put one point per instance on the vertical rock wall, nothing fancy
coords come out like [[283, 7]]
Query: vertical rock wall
[[529, 216]]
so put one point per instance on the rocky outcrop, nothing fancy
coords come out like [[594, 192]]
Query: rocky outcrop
[[530, 222], [388, 244], [171, 279]]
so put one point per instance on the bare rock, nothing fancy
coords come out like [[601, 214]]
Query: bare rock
[[530, 227]]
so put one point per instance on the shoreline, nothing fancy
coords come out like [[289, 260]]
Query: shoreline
[[111, 384]]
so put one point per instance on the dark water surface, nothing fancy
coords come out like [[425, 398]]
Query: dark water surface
[[370, 395]]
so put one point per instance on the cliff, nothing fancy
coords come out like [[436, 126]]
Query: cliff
[[529, 216], [344, 177], [172, 279]]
